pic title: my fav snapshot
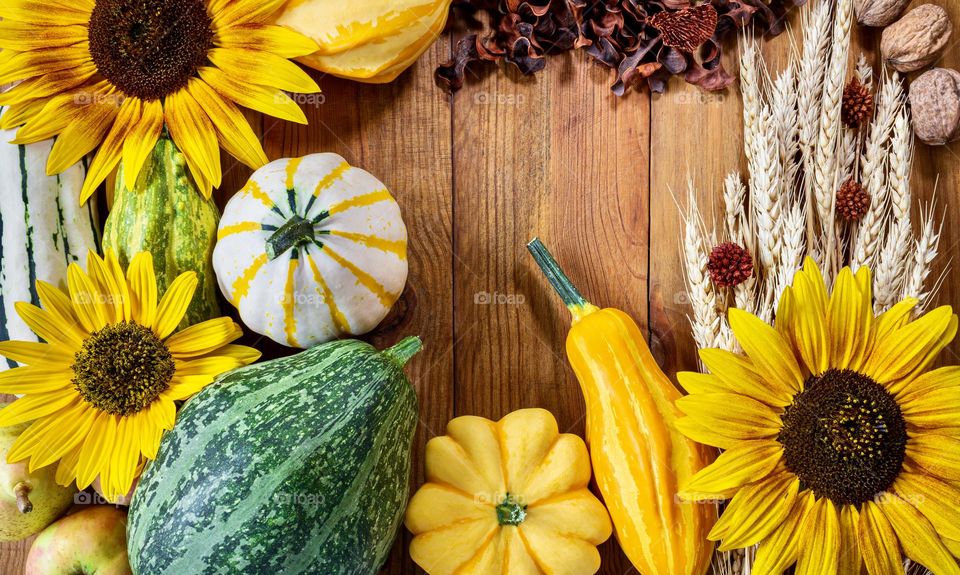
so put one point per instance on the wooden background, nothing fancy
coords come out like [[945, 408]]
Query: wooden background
[[557, 156]]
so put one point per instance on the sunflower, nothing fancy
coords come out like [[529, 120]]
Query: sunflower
[[101, 391], [112, 73], [842, 446]]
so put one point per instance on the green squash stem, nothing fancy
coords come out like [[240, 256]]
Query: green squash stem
[[296, 232], [22, 492], [405, 349]]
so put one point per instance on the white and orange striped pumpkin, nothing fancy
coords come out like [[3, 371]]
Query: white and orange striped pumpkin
[[311, 249]]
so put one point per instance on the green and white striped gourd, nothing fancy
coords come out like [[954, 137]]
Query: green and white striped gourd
[[166, 215], [43, 229], [298, 466], [310, 250]]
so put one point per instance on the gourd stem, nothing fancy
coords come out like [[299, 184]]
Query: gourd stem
[[22, 491], [561, 283], [296, 232], [405, 349]]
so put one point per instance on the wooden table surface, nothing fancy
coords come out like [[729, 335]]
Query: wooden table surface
[[556, 156]]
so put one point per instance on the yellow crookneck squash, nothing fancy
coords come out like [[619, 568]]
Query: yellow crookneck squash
[[371, 41], [507, 498], [639, 457]]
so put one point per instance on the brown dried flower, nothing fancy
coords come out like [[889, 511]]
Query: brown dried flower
[[853, 201], [730, 265], [687, 29], [645, 41], [857, 104]]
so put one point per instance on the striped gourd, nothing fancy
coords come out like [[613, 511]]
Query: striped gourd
[[296, 466], [43, 229], [166, 215], [311, 249]]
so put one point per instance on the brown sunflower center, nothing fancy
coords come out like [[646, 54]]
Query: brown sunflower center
[[150, 49], [122, 368], [844, 437]]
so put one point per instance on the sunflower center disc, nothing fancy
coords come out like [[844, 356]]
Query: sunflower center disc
[[122, 368], [150, 49], [844, 437]]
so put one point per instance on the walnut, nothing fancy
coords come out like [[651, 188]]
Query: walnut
[[917, 39], [879, 13], [935, 103]]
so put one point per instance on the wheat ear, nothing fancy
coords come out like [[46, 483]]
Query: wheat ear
[[750, 91], [892, 266], [705, 320], [765, 182], [925, 251]]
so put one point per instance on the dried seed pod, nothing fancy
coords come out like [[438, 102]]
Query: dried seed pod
[[879, 13], [935, 103], [917, 39]]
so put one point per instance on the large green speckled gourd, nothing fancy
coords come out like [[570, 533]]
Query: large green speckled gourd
[[167, 215]]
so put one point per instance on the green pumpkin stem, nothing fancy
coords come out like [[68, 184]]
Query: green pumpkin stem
[[551, 269], [295, 233], [405, 349]]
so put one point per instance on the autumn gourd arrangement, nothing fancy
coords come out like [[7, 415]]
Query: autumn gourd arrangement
[[129, 379]]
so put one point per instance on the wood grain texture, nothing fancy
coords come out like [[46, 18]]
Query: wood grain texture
[[508, 158]]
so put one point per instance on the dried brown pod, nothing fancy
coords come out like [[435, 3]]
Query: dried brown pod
[[730, 265], [853, 201], [879, 13], [935, 103], [687, 29], [857, 104], [917, 39]]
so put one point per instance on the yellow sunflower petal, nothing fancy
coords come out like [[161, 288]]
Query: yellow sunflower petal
[[110, 294], [269, 101], [123, 288], [206, 366], [912, 347], [726, 437], [770, 354], [739, 376], [112, 147], [67, 468], [203, 337], [186, 386], [31, 353], [44, 12], [25, 36], [781, 549], [819, 554], [937, 410], [195, 135], [953, 546], [30, 407], [743, 464], [938, 454], [935, 499], [864, 280], [163, 413], [939, 379], [33, 380], [277, 40], [23, 65], [878, 542], [246, 12], [851, 560], [755, 511], [48, 326], [18, 114], [263, 68], [895, 317], [918, 539], [96, 450], [174, 304], [233, 130], [143, 288], [695, 382], [52, 119], [125, 457], [731, 411], [851, 316], [141, 140], [80, 137], [48, 439], [150, 435], [809, 329], [243, 354], [58, 303], [86, 299], [50, 84]]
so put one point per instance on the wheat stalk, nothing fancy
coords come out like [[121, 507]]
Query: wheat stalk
[[785, 119], [925, 251], [765, 182], [892, 265], [750, 92], [705, 320]]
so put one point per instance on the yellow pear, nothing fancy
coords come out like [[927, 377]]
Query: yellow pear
[[28, 501]]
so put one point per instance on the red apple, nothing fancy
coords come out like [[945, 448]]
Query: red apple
[[92, 541]]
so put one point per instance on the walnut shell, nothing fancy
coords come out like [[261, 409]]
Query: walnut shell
[[935, 103], [879, 13], [917, 39]]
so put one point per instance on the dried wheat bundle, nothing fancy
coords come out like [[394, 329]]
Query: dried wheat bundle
[[828, 176]]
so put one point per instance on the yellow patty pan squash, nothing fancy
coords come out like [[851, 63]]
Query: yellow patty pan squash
[[507, 498], [371, 41]]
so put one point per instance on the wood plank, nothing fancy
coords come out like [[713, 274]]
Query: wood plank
[[558, 157]]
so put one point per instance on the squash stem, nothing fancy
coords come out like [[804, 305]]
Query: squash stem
[[22, 492], [570, 295], [405, 349], [296, 232]]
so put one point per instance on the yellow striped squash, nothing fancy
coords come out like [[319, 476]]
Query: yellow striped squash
[[311, 250], [367, 40], [639, 456]]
